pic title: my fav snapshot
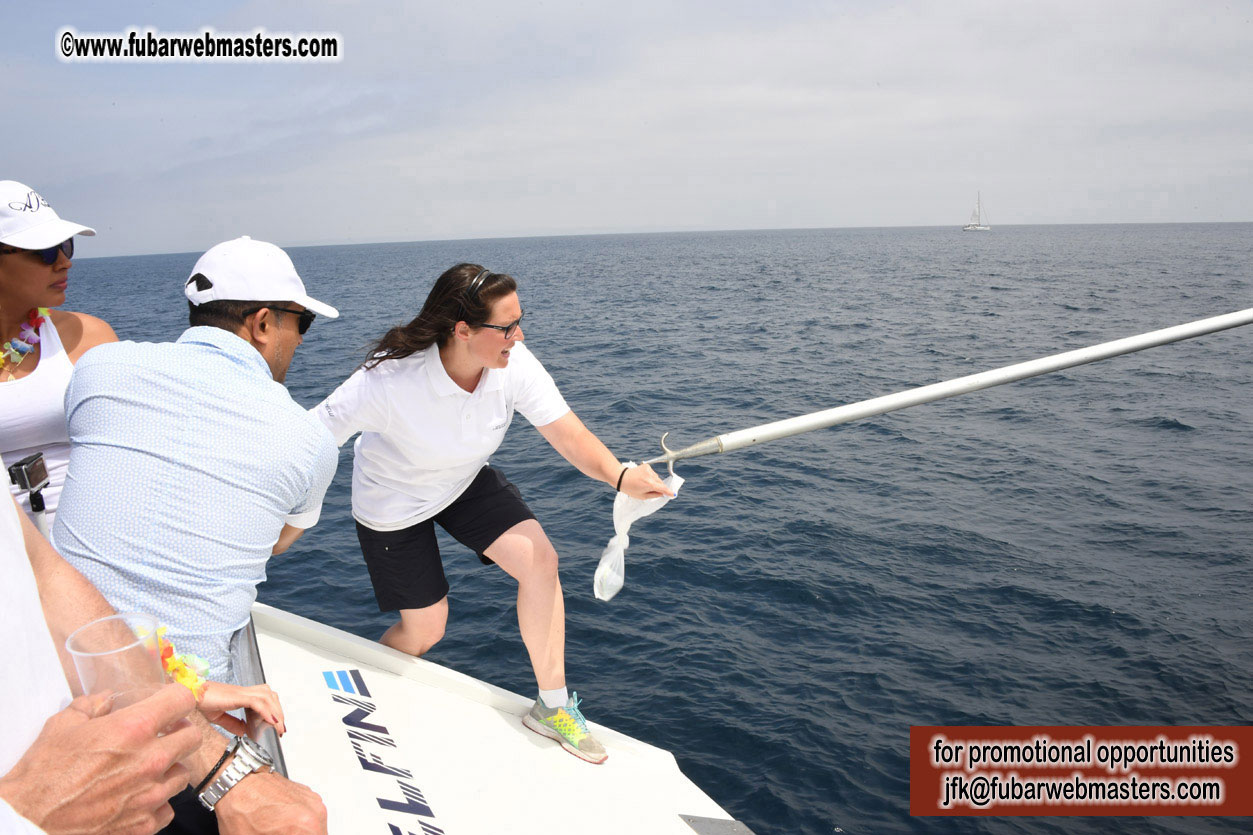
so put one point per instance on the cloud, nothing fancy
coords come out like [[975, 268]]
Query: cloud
[[490, 119]]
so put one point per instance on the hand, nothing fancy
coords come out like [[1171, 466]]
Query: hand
[[219, 698], [264, 803], [91, 770], [642, 483]]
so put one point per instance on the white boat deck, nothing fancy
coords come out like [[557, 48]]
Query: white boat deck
[[395, 744]]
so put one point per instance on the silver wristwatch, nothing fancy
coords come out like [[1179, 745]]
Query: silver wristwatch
[[249, 757]]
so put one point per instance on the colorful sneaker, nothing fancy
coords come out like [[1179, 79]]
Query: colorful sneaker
[[567, 726]]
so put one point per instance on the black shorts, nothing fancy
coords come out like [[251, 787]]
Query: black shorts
[[405, 566]]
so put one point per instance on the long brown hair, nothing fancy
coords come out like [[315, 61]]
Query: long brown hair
[[449, 302]]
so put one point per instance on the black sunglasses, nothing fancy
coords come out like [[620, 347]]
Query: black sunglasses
[[306, 316], [48, 255]]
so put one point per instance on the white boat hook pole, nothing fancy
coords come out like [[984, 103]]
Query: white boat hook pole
[[950, 388]]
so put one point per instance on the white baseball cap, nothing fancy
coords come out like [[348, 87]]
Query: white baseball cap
[[248, 270], [28, 222]]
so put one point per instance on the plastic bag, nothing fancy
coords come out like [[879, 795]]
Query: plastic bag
[[611, 573]]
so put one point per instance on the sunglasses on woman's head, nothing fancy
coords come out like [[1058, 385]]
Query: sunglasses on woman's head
[[49, 255]]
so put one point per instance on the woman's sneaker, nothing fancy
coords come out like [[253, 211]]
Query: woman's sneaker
[[567, 726]]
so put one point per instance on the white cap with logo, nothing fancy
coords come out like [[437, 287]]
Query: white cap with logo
[[248, 270], [28, 222]]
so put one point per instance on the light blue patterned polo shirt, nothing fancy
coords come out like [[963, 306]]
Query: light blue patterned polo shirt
[[186, 460]]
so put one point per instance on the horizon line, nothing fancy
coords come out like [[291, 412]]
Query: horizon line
[[954, 227]]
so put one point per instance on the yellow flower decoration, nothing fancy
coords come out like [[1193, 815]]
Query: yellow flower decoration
[[186, 669]]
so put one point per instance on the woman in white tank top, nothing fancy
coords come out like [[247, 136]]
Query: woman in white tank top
[[38, 345]]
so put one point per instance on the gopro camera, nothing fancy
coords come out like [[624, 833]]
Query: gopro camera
[[31, 473]]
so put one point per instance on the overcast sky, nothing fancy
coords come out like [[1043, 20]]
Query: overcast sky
[[488, 119]]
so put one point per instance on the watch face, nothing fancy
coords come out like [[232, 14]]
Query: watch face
[[257, 751], [249, 757]]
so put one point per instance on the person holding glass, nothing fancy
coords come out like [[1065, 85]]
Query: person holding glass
[[72, 758], [432, 403]]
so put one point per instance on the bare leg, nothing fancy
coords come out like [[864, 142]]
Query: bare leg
[[525, 553], [418, 629]]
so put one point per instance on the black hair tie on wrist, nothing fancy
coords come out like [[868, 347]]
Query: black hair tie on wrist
[[620, 475]]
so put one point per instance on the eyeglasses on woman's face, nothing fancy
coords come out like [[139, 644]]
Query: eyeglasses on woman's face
[[508, 330], [49, 255]]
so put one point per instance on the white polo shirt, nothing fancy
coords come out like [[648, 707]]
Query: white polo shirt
[[423, 437], [35, 686]]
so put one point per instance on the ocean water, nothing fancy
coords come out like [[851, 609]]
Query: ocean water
[[1068, 550]]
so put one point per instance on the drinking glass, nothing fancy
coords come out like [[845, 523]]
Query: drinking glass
[[118, 654]]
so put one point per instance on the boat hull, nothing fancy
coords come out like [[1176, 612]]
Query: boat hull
[[394, 743]]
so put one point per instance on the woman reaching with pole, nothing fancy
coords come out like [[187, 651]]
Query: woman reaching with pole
[[433, 402]]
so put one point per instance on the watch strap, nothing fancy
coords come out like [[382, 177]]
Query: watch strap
[[249, 757], [226, 754]]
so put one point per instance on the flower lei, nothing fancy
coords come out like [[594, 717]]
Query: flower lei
[[186, 669], [16, 349]]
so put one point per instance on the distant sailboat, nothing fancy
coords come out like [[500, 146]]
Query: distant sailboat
[[976, 217]]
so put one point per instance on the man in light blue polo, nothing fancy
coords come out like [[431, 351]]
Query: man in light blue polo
[[190, 464]]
